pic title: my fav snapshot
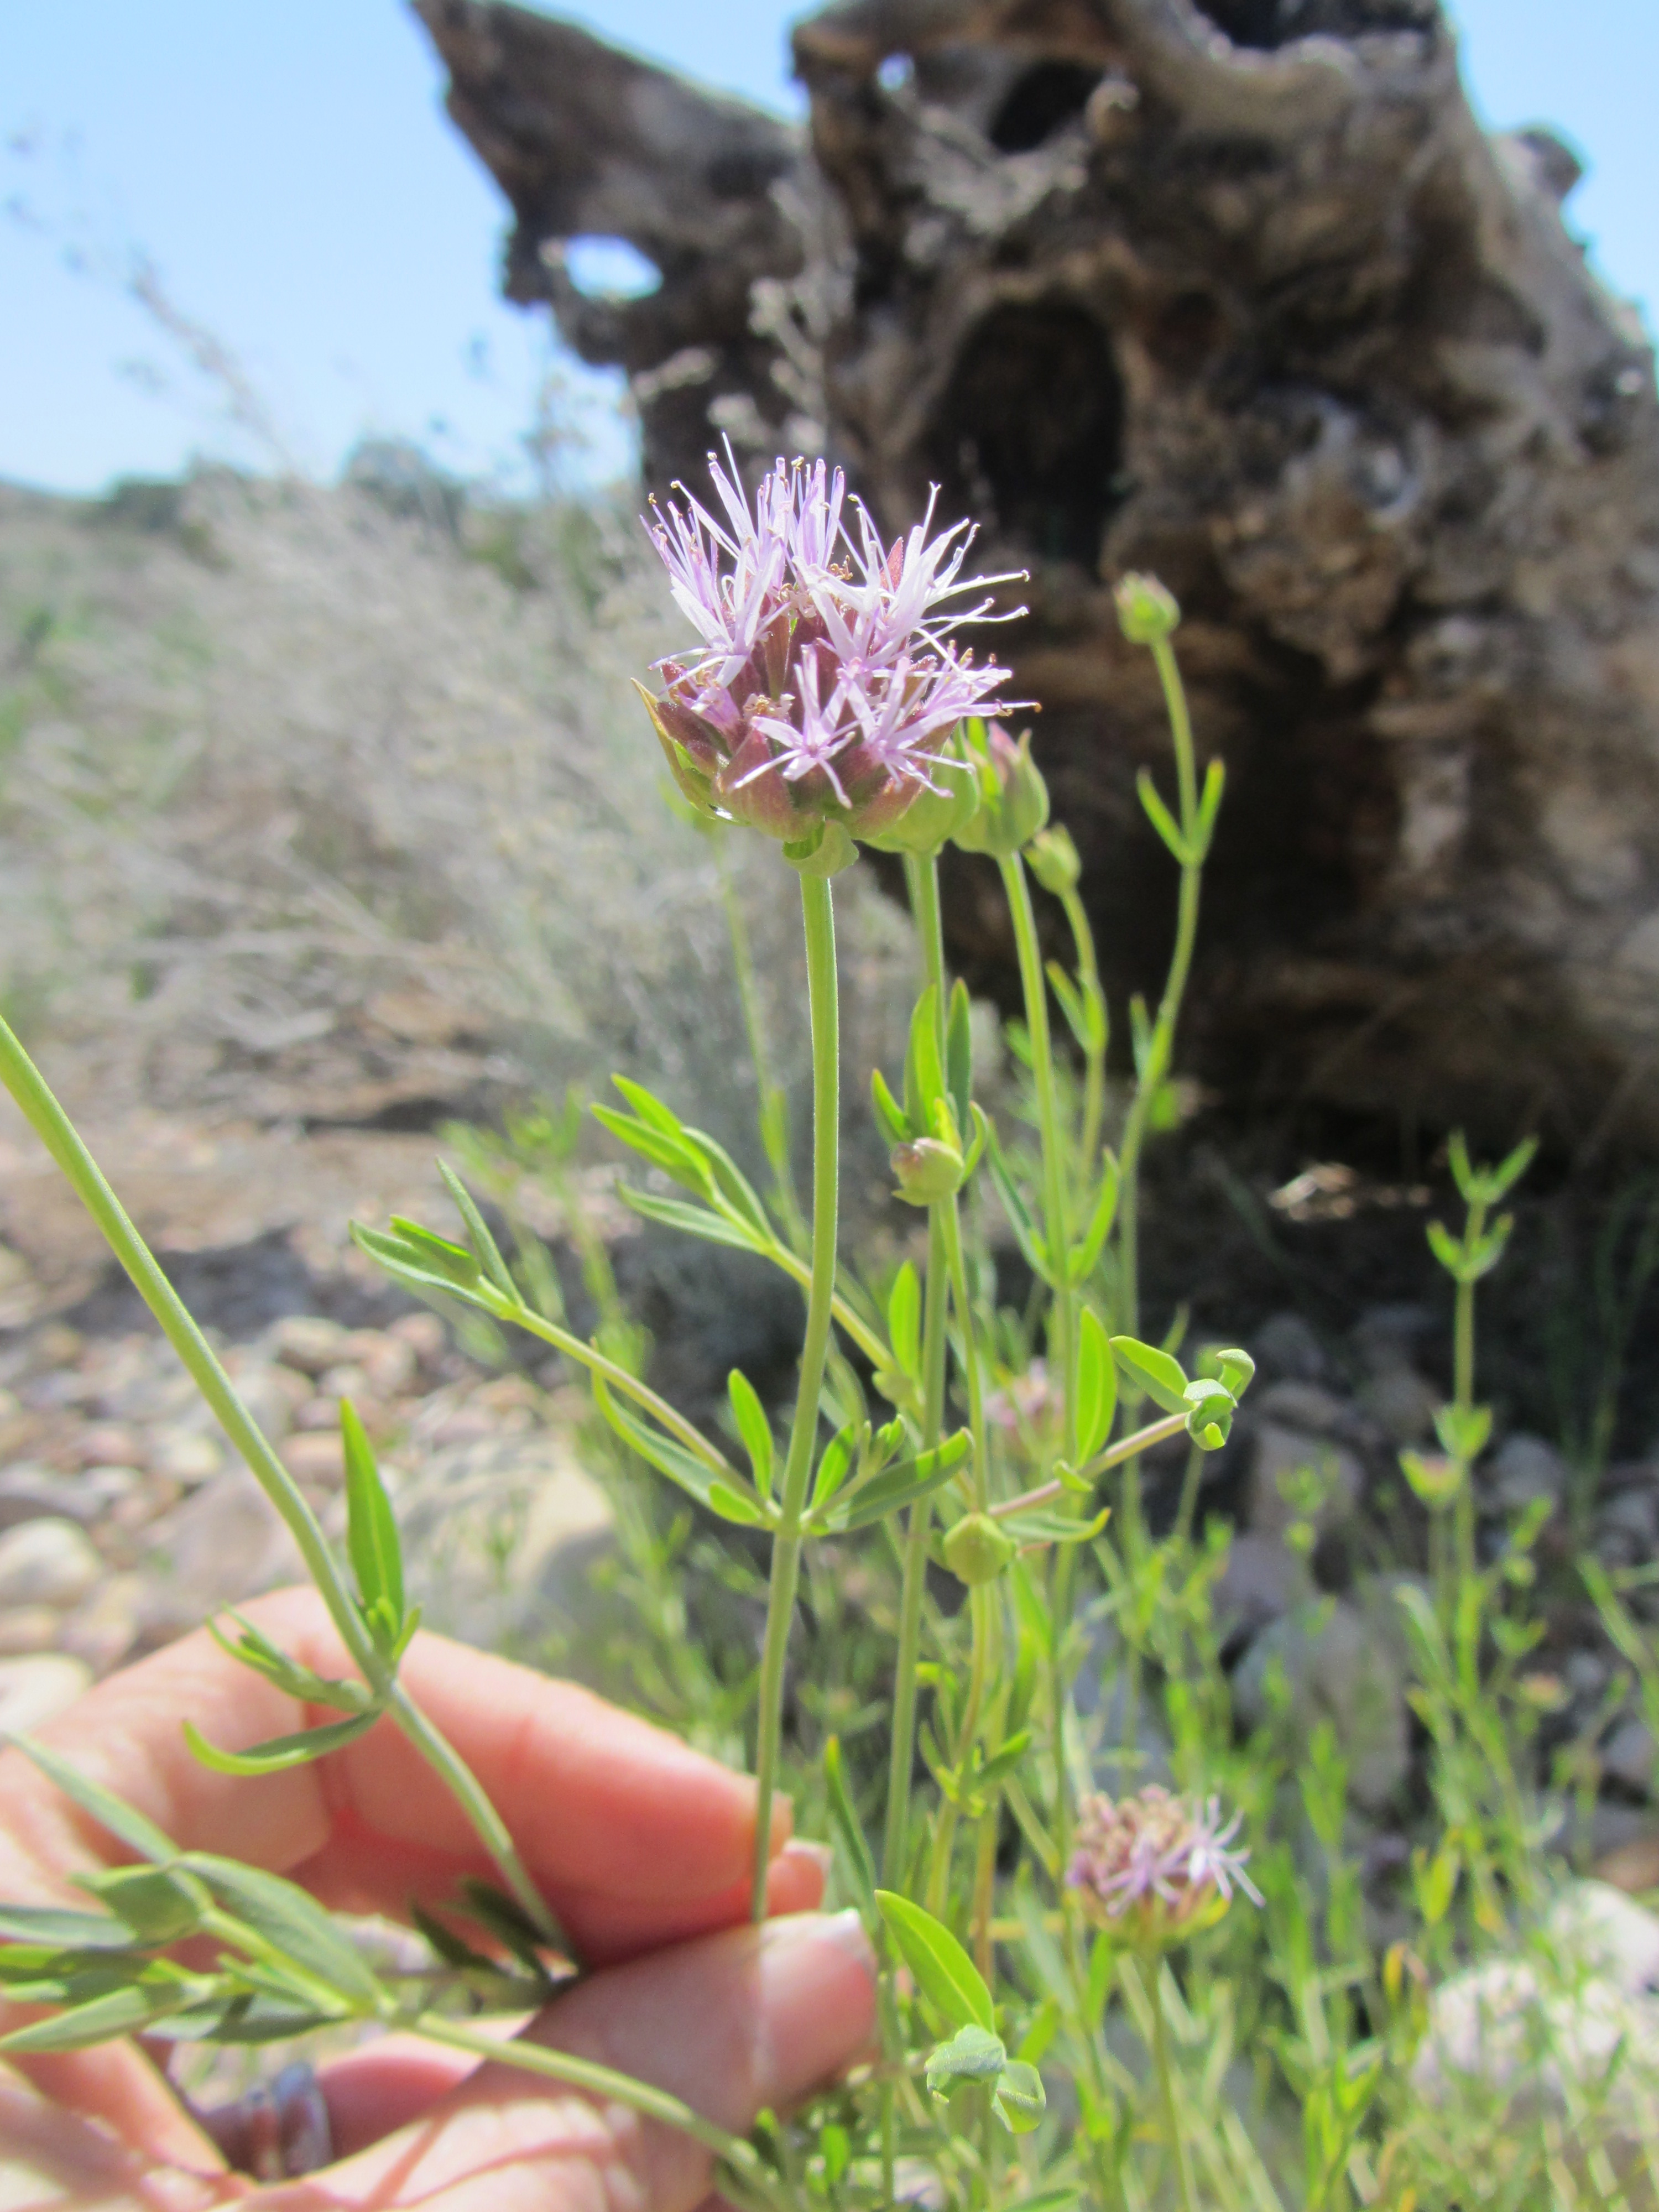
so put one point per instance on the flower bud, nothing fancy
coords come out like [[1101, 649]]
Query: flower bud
[[926, 1170], [1435, 1481], [976, 1551], [1052, 857], [1146, 611], [933, 816], [1014, 798]]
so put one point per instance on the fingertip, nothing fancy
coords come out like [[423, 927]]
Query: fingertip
[[797, 1878]]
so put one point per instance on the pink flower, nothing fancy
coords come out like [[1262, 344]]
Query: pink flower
[[827, 684], [1155, 1865]]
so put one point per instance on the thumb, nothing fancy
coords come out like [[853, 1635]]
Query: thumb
[[753, 2017]]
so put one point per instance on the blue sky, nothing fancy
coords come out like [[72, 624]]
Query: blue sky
[[285, 167]]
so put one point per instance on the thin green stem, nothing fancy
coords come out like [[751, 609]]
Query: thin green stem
[[817, 911], [968, 1354], [1114, 1456], [604, 2081], [1160, 1048], [922, 878], [1165, 2071], [1094, 1058], [773, 1123], [1035, 986], [61, 1139]]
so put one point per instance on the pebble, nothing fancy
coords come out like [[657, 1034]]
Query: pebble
[[317, 1456], [35, 1690], [25, 1628], [186, 1456], [1522, 1470], [310, 1342], [106, 1444], [29, 1491], [1286, 1348], [1282, 1455], [1627, 1756], [47, 1562]]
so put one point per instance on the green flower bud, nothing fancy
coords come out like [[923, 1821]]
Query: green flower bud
[[976, 1551], [1014, 798], [1146, 612], [1052, 858], [1435, 1481], [934, 818], [926, 1170]]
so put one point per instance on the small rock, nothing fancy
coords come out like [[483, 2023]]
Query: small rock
[[317, 1456], [1586, 1675], [105, 1629], [27, 1628], [1524, 1469], [1261, 1582], [186, 1456], [1402, 1404], [424, 1335], [1337, 1666], [1302, 1405], [1287, 1349], [35, 1690], [1627, 1756], [31, 1493], [1388, 1335], [109, 1443], [1283, 1457], [309, 1342], [1627, 1529], [1632, 1866], [392, 1366], [224, 1543], [47, 1562]]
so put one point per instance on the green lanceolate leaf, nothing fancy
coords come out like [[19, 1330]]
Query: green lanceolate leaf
[[414, 1256], [254, 1649], [51, 1927], [159, 1904], [1096, 1384], [904, 1320], [1162, 820], [124, 1823], [959, 1054], [1464, 1431], [673, 1154], [732, 1185], [489, 1257], [508, 1922], [895, 1488], [1026, 1233], [835, 1465], [1086, 1257], [371, 1539], [924, 1070], [1209, 806], [973, 2054], [859, 1866], [655, 1112], [893, 1121], [752, 1425], [944, 1972], [692, 1475], [1447, 1249], [1020, 2100], [738, 1506], [123, 2012], [1157, 1373], [279, 1752], [243, 2016], [289, 1920], [694, 1220], [1043, 1525]]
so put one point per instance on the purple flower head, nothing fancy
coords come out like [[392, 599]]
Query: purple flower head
[[826, 684], [1156, 1866]]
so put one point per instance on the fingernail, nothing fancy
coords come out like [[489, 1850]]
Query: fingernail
[[822, 1856], [818, 1977]]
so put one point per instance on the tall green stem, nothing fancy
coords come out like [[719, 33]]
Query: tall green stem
[[817, 911], [921, 876], [1160, 1049], [61, 1139], [1094, 1059]]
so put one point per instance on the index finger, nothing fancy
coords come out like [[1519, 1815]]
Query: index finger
[[633, 1835]]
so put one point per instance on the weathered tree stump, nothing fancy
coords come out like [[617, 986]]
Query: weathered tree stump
[[1242, 294]]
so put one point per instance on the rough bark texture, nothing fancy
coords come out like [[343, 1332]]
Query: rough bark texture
[[1241, 294]]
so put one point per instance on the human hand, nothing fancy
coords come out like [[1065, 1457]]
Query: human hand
[[641, 1845]]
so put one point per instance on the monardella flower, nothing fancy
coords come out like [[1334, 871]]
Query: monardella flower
[[827, 684], [1156, 1866]]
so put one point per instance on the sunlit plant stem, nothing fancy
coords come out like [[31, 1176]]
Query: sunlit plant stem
[[56, 1131], [817, 911]]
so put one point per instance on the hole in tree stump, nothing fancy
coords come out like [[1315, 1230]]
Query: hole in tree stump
[[1048, 96], [1269, 23], [1030, 430]]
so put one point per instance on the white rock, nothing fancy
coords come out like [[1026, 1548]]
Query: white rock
[[1627, 1755], [1567, 2030], [1338, 1666], [33, 1691], [47, 1562], [1524, 1469]]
